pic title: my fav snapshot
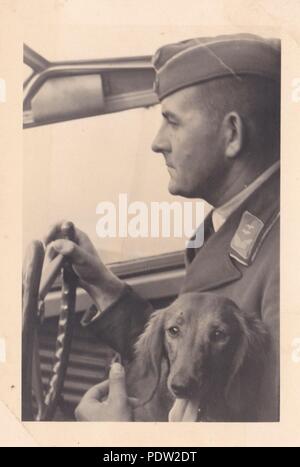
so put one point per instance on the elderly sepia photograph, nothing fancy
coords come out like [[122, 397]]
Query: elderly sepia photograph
[[153, 257]]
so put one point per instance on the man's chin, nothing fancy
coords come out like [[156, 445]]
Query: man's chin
[[176, 190], [173, 189]]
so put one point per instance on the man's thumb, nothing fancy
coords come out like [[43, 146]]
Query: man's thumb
[[65, 247], [117, 384]]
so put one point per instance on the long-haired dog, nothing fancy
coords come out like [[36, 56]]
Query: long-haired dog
[[201, 348]]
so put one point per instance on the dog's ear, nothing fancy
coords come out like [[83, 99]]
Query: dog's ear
[[149, 352], [247, 364]]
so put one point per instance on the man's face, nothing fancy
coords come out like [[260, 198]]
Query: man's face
[[189, 141]]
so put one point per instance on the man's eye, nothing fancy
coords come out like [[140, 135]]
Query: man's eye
[[170, 121], [173, 331]]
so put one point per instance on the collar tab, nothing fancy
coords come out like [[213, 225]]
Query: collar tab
[[246, 238]]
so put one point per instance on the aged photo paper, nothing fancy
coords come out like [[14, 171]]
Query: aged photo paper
[[82, 140]]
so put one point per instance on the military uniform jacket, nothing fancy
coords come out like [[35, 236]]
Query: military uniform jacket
[[240, 261]]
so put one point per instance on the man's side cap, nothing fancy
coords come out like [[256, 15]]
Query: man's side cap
[[202, 59]]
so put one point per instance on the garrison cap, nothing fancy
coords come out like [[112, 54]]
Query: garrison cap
[[202, 59]]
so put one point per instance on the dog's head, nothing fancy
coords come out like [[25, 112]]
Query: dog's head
[[210, 347]]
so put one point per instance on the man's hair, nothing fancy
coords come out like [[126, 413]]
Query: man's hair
[[256, 99]]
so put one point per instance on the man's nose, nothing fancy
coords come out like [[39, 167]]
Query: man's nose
[[161, 142]]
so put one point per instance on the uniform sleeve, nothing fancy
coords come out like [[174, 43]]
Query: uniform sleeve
[[121, 323]]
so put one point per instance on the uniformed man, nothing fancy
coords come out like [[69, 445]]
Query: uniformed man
[[220, 137]]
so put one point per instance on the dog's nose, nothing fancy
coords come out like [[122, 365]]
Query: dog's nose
[[182, 389], [178, 389]]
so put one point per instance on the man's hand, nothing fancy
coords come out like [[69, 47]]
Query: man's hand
[[101, 284], [107, 401]]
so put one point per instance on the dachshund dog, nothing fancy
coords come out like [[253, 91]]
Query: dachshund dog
[[201, 348]]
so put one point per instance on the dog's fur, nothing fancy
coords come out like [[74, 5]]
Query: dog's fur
[[202, 346]]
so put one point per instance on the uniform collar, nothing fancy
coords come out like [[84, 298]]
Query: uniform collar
[[218, 261], [222, 213]]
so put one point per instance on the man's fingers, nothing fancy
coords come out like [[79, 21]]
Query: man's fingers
[[72, 250], [54, 232], [97, 392], [63, 246], [112, 388], [107, 401], [117, 385]]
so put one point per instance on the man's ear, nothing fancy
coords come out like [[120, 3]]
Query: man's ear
[[233, 134]]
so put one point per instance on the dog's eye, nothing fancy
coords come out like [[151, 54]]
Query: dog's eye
[[173, 331], [218, 336]]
